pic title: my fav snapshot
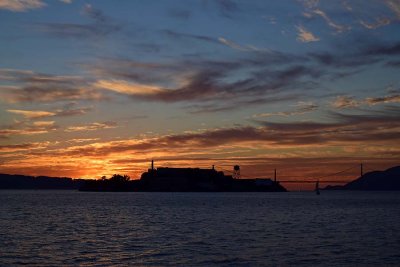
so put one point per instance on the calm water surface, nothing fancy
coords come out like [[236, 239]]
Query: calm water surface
[[53, 228]]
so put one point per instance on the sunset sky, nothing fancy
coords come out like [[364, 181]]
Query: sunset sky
[[93, 88]]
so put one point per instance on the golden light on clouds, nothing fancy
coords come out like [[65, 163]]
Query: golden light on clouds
[[305, 36], [307, 88], [124, 87], [30, 114]]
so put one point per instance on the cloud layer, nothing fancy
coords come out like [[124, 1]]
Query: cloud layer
[[99, 89]]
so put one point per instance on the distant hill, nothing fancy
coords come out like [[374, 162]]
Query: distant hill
[[376, 180], [9, 181]]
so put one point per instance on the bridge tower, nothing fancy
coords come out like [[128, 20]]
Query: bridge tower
[[361, 169]]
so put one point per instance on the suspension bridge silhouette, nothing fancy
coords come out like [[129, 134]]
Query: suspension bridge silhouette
[[321, 179]]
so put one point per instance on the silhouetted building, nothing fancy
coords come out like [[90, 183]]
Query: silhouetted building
[[184, 179], [196, 179]]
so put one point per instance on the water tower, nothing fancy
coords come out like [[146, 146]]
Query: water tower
[[236, 172]]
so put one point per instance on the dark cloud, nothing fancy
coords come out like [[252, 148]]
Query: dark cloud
[[208, 85], [211, 86], [383, 50], [36, 87], [206, 82], [180, 35], [357, 52], [238, 104], [388, 116], [342, 60]]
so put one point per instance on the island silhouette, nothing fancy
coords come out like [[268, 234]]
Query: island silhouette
[[165, 179]]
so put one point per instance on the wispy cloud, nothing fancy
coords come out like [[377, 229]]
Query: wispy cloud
[[345, 102], [302, 108], [124, 87], [382, 49], [212, 107], [101, 26], [27, 128], [338, 28], [23, 147], [82, 140], [347, 6], [385, 99], [342, 102], [92, 126], [36, 114], [379, 22], [43, 123], [219, 41], [21, 5], [32, 114], [189, 36], [34, 87], [305, 36], [236, 46]]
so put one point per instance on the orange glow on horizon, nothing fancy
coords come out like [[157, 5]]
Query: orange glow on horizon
[[288, 169]]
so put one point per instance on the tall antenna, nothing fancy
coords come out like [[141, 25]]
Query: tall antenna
[[274, 175]]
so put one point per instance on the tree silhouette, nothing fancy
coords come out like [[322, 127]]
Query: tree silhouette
[[120, 178]]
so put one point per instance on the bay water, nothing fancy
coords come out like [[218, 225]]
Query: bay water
[[71, 228]]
